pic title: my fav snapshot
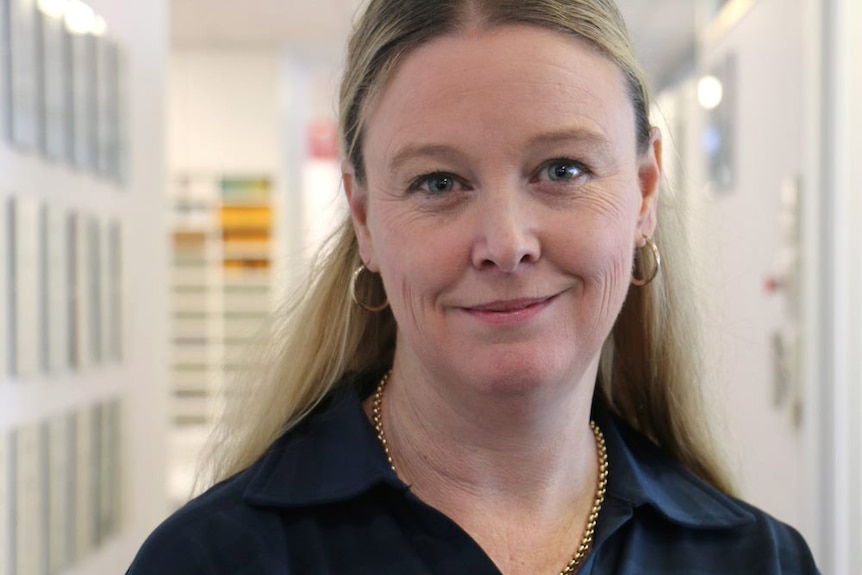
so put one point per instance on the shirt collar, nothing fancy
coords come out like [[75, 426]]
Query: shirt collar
[[335, 455], [332, 455], [641, 474]]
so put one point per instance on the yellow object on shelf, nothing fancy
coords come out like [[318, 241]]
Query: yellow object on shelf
[[246, 218]]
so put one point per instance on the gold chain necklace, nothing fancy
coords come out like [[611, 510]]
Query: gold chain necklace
[[586, 541]]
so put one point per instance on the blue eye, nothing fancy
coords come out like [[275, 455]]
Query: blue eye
[[563, 170], [435, 184], [440, 183]]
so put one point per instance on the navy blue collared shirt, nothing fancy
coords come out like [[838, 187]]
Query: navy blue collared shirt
[[324, 501]]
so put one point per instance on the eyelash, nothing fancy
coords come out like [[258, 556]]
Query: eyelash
[[418, 182], [583, 170]]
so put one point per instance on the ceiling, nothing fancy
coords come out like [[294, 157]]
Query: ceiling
[[663, 30]]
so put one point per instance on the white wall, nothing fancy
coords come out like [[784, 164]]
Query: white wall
[[140, 379], [836, 148], [738, 240], [224, 111], [248, 112]]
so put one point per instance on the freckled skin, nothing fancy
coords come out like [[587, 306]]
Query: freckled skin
[[489, 101]]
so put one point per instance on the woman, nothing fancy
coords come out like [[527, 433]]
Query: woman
[[470, 384]]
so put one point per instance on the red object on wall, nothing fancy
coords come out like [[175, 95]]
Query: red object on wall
[[323, 140]]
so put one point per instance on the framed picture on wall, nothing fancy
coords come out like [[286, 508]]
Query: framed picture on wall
[[53, 81], [30, 541], [5, 301], [108, 107], [57, 274], [85, 494], [71, 287], [115, 425], [84, 114], [59, 494], [78, 297], [121, 161], [104, 279], [115, 291], [94, 289], [720, 135], [23, 74], [5, 78], [43, 311], [71, 446], [25, 254], [106, 473], [7, 504]]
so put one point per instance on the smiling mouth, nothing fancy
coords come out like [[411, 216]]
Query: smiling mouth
[[510, 306]]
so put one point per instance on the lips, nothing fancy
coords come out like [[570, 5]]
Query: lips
[[509, 313], [510, 306]]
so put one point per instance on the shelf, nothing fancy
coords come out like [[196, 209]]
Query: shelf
[[188, 380], [222, 240], [255, 302]]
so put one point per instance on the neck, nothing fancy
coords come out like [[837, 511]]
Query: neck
[[528, 452]]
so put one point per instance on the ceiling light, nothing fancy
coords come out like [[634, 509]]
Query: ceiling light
[[80, 18], [53, 8], [709, 92], [99, 26]]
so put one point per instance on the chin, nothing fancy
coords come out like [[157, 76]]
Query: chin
[[514, 375]]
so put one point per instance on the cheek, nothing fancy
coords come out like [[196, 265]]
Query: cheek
[[599, 251], [418, 261]]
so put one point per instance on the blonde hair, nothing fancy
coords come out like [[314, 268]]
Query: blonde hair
[[649, 370]]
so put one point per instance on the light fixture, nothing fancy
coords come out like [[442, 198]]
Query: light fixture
[[80, 18], [53, 8], [99, 26], [709, 92]]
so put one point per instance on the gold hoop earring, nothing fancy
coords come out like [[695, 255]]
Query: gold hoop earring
[[641, 282], [372, 308]]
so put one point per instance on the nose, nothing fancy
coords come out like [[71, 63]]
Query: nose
[[506, 233]]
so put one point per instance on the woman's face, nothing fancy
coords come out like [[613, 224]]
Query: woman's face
[[503, 200]]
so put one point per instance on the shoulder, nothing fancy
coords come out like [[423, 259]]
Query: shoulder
[[776, 542], [217, 533], [676, 522]]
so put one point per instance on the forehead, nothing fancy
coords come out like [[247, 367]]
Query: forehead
[[509, 82]]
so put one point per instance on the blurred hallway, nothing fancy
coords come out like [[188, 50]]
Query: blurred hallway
[[170, 169]]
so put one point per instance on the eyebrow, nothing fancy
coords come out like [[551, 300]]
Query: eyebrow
[[413, 151], [594, 140]]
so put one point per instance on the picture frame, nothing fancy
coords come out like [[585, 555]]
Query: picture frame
[[85, 488], [5, 76], [53, 138], [56, 275], [115, 291], [73, 352], [42, 296], [108, 106], [29, 540], [23, 73], [78, 297], [116, 465], [720, 130], [107, 473], [7, 504], [121, 160], [60, 439], [84, 113], [25, 252], [94, 290], [6, 307], [104, 279]]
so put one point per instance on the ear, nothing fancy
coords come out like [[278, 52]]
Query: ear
[[649, 177], [357, 201]]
